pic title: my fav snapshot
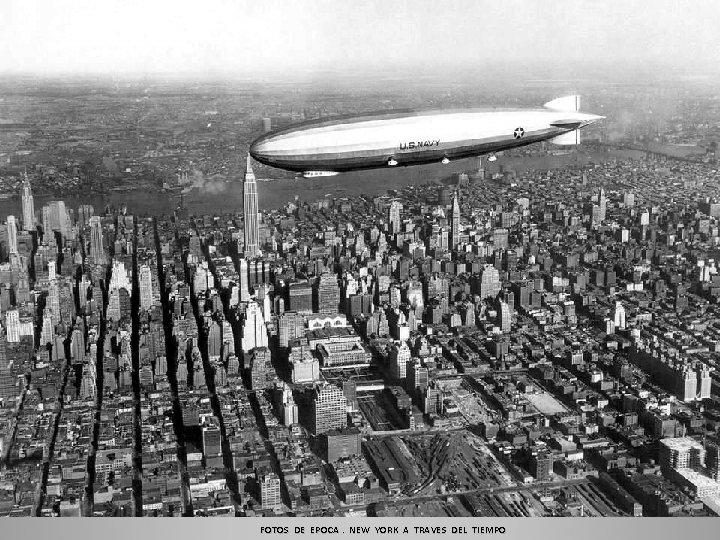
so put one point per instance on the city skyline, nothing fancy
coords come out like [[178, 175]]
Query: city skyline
[[546, 293]]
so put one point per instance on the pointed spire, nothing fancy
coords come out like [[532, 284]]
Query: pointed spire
[[250, 213], [248, 169]]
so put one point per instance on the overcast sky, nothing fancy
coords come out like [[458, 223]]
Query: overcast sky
[[245, 36]]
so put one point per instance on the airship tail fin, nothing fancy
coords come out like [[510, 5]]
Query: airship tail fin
[[570, 138], [564, 104]]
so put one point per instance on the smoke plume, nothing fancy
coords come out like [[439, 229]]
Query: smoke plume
[[214, 183]]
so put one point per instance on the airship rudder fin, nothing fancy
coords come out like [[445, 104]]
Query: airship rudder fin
[[571, 138], [564, 104]]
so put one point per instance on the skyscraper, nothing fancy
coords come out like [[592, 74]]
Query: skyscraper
[[12, 325], [704, 379], [619, 316], [329, 409], [290, 326], [328, 294], [5, 364], [400, 357], [260, 367], [300, 297], [119, 277], [270, 491], [48, 236], [504, 317], [97, 251], [212, 440], [244, 286], [58, 219], [417, 375], [254, 330], [629, 199], [489, 282], [53, 301], [394, 216], [469, 319], [455, 223], [214, 341], [77, 346], [602, 203], [146, 292], [28, 206], [290, 409], [250, 213], [85, 212], [12, 235], [119, 293]]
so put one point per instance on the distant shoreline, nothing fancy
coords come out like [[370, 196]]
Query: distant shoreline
[[276, 193]]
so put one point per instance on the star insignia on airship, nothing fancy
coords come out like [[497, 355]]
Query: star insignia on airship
[[518, 133]]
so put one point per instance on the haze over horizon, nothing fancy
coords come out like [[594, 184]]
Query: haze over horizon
[[223, 37]]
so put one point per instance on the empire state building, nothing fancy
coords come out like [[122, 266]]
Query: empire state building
[[250, 213]]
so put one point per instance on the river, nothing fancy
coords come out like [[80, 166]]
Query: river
[[275, 193]]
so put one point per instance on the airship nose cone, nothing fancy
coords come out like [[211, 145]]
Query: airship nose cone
[[259, 149]]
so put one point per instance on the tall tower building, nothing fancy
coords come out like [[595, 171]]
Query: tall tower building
[[290, 409], [400, 357], [48, 236], [260, 367], [254, 330], [329, 409], [28, 206], [52, 269], [270, 491], [291, 325], [244, 281], [58, 217], [300, 297], [469, 318], [12, 235], [619, 317], [629, 199], [97, 251], [53, 301], [418, 377], [77, 346], [689, 384], [704, 382], [455, 217], [119, 279], [712, 461], [394, 216], [47, 333], [146, 292], [602, 203], [85, 212], [328, 294], [12, 325], [250, 214], [490, 284], [505, 317]]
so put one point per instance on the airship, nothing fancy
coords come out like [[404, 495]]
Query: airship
[[327, 147]]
